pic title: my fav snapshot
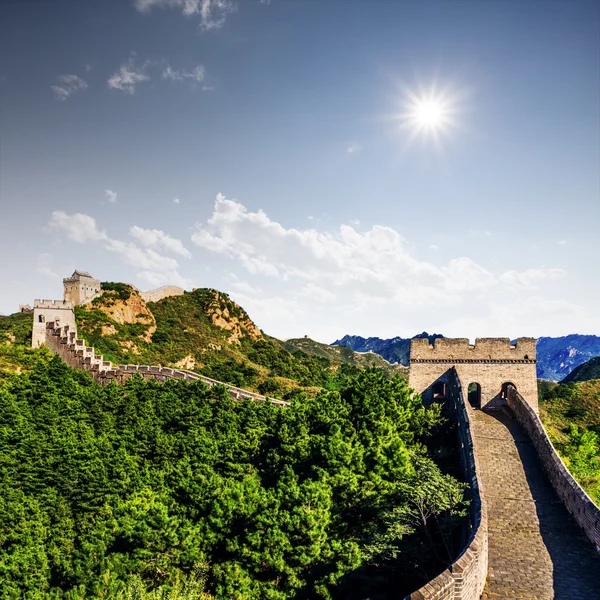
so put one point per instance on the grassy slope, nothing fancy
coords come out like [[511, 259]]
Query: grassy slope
[[205, 331], [345, 355], [571, 413], [16, 354]]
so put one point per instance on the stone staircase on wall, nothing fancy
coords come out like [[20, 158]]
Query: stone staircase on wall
[[63, 341]]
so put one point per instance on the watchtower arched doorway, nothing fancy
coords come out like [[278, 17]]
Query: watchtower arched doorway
[[474, 395], [505, 386]]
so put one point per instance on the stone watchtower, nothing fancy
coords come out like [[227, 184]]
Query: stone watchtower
[[484, 370], [80, 287], [45, 311]]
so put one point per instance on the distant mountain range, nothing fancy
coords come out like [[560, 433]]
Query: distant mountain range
[[585, 372], [394, 350], [557, 357]]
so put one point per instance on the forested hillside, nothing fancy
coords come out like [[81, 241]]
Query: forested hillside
[[206, 332], [585, 372], [571, 415], [108, 490], [16, 353]]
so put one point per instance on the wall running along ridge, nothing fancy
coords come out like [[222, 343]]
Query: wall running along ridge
[[64, 342], [578, 503], [162, 292], [465, 578]]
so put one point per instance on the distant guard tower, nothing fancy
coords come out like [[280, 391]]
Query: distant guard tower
[[80, 288], [484, 370], [45, 311]]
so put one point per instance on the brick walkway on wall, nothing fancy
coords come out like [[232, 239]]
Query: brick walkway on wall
[[536, 550]]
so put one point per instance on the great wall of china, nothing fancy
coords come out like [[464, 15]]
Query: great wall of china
[[533, 531], [63, 341]]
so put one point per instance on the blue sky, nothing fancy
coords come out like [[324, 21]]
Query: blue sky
[[265, 149]]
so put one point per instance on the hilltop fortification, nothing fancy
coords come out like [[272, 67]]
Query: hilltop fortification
[[80, 288]]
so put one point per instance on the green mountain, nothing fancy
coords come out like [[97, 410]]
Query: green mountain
[[203, 331], [16, 354], [570, 413], [587, 371]]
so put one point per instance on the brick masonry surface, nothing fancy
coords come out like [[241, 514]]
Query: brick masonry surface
[[490, 362], [578, 503], [536, 550], [64, 342], [465, 577]]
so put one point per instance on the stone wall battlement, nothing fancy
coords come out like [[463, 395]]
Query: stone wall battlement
[[484, 349], [63, 341], [162, 292], [578, 503], [62, 304], [465, 578]]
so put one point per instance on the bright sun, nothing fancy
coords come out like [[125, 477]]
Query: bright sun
[[429, 113]]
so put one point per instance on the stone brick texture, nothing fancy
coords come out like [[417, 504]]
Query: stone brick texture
[[578, 503], [491, 362], [465, 577], [63, 341], [521, 529]]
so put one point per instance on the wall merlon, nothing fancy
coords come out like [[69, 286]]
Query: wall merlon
[[483, 349], [60, 304]]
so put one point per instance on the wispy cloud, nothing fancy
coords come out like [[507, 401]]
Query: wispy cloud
[[111, 196], [353, 148], [175, 200], [128, 76], [370, 278], [531, 278], [155, 268], [67, 86], [171, 74], [45, 266], [212, 13], [155, 238]]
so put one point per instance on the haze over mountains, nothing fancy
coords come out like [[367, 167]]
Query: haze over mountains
[[557, 356]]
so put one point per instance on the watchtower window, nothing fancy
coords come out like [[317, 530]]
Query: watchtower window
[[42, 319], [474, 395], [439, 390]]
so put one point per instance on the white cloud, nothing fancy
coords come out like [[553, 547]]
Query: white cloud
[[128, 76], [212, 13], [111, 196], [353, 148], [155, 238], [531, 277], [171, 74], [154, 267], [369, 282], [68, 85], [562, 242], [79, 227], [175, 200]]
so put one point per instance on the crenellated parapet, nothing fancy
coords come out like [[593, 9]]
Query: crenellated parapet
[[484, 368], [63, 341], [54, 304], [50, 311], [484, 350]]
